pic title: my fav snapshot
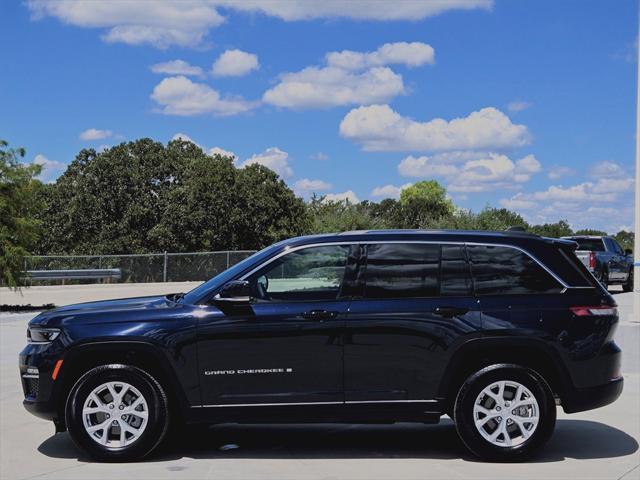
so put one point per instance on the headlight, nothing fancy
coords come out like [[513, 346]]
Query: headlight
[[42, 335]]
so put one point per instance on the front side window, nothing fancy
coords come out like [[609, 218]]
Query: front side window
[[402, 270], [503, 270], [309, 274]]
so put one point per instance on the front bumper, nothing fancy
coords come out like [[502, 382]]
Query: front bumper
[[581, 399], [36, 363]]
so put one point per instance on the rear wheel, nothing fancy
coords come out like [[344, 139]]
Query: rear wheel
[[504, 413], [628, 285], [117, 413]]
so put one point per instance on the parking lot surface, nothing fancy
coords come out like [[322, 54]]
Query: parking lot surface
[[598, 444]]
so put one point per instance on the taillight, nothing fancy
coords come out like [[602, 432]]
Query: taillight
[[592, 260], [598, 311]]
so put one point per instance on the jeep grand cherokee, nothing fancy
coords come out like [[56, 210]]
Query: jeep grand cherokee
[[493, 329]]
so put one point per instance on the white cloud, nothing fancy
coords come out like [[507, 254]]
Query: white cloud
[[518, 105], [187, 23], [211, 151], [177, 67], [413, 54], [95, 134], [557, 172], [425, 167], [319, 156], [380, 128], [480, 172], [356, 9], [330, 87], [181, 96], [273, 158], [136, 22], [185, 138], [306, 185], [51, 169], [349, 78], [604, 190], [389, 191], [222, 152], [349, 196], [607, 169], [234, 63], [605, 204]]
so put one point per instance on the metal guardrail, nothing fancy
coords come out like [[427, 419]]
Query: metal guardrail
[[148, 267], [84, 274]]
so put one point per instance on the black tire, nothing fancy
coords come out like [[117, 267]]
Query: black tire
[[603, 278], [628, 285], [157, 420], [465, 422]]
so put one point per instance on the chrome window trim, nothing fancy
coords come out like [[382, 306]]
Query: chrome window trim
[[288, 250]]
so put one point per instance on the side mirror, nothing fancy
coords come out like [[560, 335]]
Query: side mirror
[[628, 251], [235, 291]]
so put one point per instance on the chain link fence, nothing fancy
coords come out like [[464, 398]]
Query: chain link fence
[[144, 268]]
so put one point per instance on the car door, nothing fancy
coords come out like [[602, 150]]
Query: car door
[[415, 304], [285, 347]]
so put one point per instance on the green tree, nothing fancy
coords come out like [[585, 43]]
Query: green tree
[[554, 230], [19, 200], [625, 239], [423, 204], [590, 231], [341, 216], [499, 219], [143, 196]]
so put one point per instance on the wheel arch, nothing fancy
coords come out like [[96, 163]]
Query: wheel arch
[[476, 354], [81, 358]]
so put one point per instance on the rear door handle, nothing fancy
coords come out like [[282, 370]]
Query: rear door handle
[[319, 315], [450, 311]]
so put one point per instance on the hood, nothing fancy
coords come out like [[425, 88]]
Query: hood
[[104, 311]]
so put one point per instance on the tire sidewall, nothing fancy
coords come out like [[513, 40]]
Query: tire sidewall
[[466, 398], [150, 389]]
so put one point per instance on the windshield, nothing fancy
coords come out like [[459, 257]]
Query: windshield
[[592, 244], [223, 277]]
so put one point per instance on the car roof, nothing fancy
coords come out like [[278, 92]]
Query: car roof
[[508, 237]]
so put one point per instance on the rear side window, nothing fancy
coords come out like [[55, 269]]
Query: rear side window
[[592, 244], [402, 270], [503, 270], [455, 272]]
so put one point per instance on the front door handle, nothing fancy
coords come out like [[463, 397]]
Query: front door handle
[[450, 312], [319, 315]]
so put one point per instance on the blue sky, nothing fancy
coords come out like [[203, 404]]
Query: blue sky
[[528, 105]]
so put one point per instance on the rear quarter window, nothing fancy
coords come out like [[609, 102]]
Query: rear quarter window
[[500, 270]]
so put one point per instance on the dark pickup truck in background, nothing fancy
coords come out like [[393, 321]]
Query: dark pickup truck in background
[[606, 259]]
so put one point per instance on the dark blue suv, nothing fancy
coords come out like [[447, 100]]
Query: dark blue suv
[[493, 329]]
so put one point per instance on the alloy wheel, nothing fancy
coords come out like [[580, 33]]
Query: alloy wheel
[[506, 413]]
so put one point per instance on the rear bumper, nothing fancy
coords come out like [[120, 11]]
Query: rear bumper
[[581, 399]]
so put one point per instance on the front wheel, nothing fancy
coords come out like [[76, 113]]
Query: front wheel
[[117, 413], [504, 412]]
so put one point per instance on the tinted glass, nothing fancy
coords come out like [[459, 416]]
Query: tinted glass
[[456, 275], [593, 244], [504, 270], [616, 247], [396, 270], [310, 274]]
